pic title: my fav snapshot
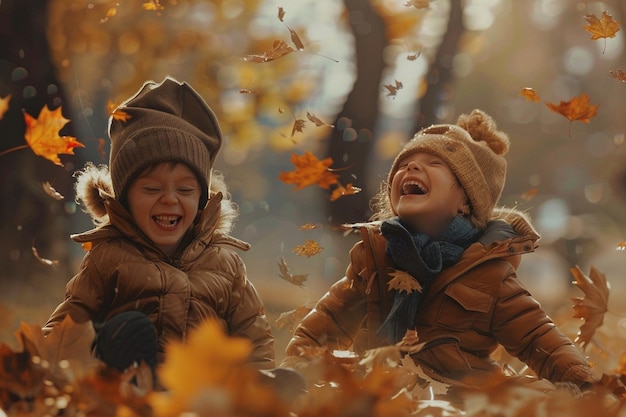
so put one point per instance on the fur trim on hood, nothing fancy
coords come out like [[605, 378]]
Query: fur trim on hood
[[94, 186]]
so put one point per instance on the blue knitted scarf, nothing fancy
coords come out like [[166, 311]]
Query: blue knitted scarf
[[424, 258]]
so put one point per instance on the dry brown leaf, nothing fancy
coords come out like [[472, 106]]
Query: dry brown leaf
[[317, 121], [403, 281], [281, 14], [279, 49], [309, 226], [298, 126], [308, 249], [530, 94], [287, 276], [592, 307], [296, 39], [392, 89], [617, 74], [289, 320]]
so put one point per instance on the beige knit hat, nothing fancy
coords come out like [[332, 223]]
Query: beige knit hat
[[474, 149], [169, 121]]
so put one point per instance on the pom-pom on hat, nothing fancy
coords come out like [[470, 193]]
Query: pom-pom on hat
[[474, 149], [168, 121]]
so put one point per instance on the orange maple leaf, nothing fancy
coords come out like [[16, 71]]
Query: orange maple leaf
[[116, 112], [42, 135], [4, 105], [593, 306], [578, 108], [605, 27], [403, 281], [530, 94], [309, 171]]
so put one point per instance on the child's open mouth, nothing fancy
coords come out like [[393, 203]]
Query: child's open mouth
[[413, 187], [167, 221]]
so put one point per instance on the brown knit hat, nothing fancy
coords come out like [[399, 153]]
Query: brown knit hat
[[474, 149], [169, 121]]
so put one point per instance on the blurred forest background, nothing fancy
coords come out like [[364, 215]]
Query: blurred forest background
[[374, 71]]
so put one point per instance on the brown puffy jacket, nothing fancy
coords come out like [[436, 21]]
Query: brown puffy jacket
[[126, 271], [467, 311]]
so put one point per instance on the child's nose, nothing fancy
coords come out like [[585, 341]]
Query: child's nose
[[414, 165], [169, 197]]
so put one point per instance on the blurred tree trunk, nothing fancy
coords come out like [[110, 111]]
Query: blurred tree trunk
[[440, 77], [27, 215], [351, 140]]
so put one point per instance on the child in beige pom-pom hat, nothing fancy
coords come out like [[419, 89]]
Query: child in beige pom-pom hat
[[161, 260], [437, 266]]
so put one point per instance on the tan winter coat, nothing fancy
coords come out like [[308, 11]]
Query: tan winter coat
[[467, 311], [125, 271]]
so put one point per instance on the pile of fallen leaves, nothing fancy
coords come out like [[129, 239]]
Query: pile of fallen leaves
[[56, 375]]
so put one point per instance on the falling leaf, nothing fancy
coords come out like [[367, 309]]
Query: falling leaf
[[4, 105], [418, 4], [602, 28], [593, 306], [621, 246], [281, 14], [341, 191], [413, 56], [44, 261], [298, 126], [153, 5], [392, 90], [529, 195], [287, 276], [296, 39], [309, 226], [578, 108], [530, 94], [290, 319], [309, 171], [279, 49], [49, 189], [116, 112], [318, 122], [42, 135], [310, 248], [403, 281], [618, 75]]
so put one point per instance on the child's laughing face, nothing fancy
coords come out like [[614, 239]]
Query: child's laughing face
[[425, 194], [164, 203]]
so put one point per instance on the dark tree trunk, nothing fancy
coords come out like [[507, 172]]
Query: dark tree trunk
[[352, 139], [440, 77]]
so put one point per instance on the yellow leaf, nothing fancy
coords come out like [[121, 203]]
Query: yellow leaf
[[309, 248], [205, 360], [42, 135], [605, 27]]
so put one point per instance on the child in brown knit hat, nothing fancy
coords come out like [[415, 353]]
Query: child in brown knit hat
[[437, 265], [161, 260]]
